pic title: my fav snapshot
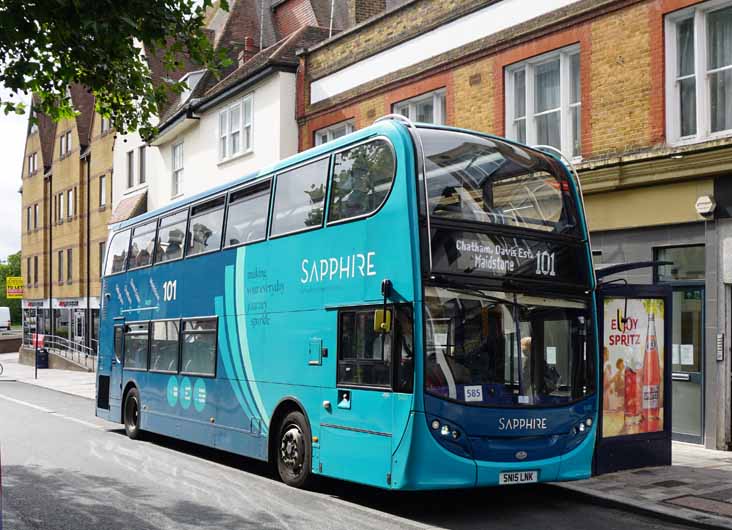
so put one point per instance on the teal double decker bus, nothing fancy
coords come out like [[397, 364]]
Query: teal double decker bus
[[409, 307]]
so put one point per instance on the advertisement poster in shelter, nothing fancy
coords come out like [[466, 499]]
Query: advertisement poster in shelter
[[633, 357]]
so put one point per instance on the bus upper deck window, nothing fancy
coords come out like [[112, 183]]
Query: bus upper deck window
[[171, 234], [247, 219], [362, 177], [141, 248], [117, 255], [206, 227], [300, 198]]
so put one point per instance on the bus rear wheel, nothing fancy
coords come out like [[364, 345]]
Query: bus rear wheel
[[294, 450], [132, 414]]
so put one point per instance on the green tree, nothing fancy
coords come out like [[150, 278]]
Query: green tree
[[46, 45], [10, 268]]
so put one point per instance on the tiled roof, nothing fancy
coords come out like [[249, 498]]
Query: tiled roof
[[47, 135], [281, 53], [129, 207], [83, 101]]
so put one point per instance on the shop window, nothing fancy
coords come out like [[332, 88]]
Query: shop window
[[687, 263], [362, 178], [198, 347]]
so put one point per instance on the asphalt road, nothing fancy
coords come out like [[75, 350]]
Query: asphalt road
[[62, 468]]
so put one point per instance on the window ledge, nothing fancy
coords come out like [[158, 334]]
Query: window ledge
[[243, 154], [134, 189], [177, 196], [701, 139]]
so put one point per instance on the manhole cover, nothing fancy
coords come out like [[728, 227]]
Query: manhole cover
[[703, 504]]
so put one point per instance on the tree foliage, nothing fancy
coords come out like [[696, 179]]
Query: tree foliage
[[46, 45], [11, 268]]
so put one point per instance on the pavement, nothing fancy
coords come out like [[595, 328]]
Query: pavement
[[695, 491], [81, 384]]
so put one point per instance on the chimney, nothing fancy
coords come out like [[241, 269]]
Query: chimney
[[361, 10], [248, 51]]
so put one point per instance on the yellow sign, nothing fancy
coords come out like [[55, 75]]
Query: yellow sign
[[14, 287]]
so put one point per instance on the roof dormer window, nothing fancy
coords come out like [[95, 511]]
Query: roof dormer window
[[190, 80]]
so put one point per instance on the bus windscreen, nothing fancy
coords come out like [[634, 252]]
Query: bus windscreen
[[472, 178]]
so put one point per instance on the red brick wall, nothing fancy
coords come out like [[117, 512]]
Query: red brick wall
[[292, 15]]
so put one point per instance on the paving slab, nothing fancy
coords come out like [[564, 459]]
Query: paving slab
[[696, 489], [71, 382]]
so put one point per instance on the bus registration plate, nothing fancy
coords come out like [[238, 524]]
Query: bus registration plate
[[518, 477]]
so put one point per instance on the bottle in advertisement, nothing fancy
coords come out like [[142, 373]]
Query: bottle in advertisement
[[651, 394], [631, 396]]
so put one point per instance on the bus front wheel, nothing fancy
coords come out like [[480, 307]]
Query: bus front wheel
[[294, 450], [132, 414]]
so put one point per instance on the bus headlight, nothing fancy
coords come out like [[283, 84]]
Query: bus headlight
[[445, 430], [581, 427], [435, 424], [588, 422]]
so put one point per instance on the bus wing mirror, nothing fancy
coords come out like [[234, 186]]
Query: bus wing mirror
[[382, 321]]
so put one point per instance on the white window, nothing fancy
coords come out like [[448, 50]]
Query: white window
[[334, 131], [235, 129], [35, 216], [65, 144], [104, 122], [28, 219], [543, 101], [102, 190], [427, 108], [130, 168], [177, 184], [60, 206], [141, 163], [70, 203], [699, 72]]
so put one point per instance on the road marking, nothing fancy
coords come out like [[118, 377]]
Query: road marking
[[49, 411]]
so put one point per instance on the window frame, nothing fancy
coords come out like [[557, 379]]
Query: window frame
[[202, 202], [35, 216], [331, 174], [69, 265], [28, 219], [248, 186], [656, 250], [394, 368], [160, 219], [564, 55], [214, 332], [102, 249], [35, 271], [70, 204], [349, 123], [177, 174], [178, 351], [127, 255], [698, 13], [130, 169], [102, 190], [124, 345], [28, 270], [60, 266], [132, 237], [411, 105], [243, 125], [141, 164], [273, 197]]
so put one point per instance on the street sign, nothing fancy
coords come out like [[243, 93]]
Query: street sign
[[14, 287]]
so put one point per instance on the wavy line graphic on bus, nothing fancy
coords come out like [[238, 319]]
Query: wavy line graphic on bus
[[227, 358], [243, 341]]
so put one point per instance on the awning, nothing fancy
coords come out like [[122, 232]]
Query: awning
[[129, 207]]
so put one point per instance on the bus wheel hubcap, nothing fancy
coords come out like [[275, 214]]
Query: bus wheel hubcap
[[291, 449]]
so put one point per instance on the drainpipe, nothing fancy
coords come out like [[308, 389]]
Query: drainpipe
[[88, 253]]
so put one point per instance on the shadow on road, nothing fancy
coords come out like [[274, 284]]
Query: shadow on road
[[534, 506]]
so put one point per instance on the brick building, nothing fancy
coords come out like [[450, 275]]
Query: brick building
[[66, 197], [638, 93]]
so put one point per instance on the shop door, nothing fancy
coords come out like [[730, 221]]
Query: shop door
[[687, 362]]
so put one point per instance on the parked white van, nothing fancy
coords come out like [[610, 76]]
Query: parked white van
[[5, 318]]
